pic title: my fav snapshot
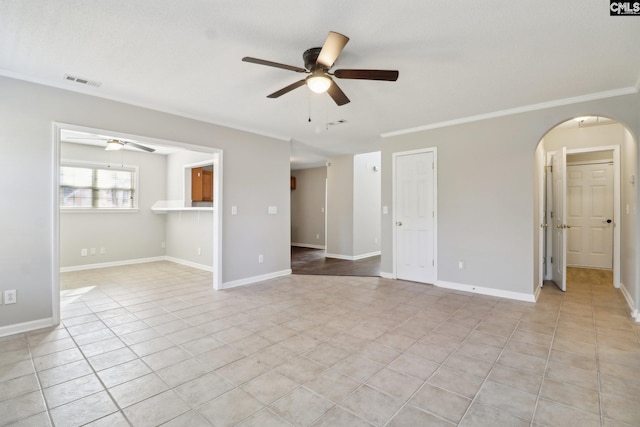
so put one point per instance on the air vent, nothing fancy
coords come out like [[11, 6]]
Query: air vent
[[81, 80]]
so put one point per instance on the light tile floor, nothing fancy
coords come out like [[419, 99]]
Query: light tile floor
[[152, 344]]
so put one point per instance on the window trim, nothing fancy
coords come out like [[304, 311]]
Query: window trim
[[101, 165]]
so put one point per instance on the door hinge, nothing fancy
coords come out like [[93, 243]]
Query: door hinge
[[551, 168], [551, 260], [551, 214], [433, 167], [433, 262]]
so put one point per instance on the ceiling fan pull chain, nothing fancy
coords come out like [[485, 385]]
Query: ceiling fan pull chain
[[309, 103]]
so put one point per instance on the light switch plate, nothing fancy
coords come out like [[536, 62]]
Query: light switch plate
[[273, 210]]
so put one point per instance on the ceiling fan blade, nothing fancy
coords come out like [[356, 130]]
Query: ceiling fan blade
[[337, 94], [140, 147], [273, 64], [287, 89], [387, 75], [331, 49]]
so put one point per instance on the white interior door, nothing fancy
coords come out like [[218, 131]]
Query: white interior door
[[415, 217], [559, 219], [590, 215]]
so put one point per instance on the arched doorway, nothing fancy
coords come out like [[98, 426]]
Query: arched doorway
[[585, 200]]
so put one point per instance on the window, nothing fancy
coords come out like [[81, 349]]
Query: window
[[86, 187]]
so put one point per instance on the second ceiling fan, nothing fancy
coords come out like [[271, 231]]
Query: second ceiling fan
[[317, 63]]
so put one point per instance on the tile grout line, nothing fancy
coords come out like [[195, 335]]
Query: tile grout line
[[486, 378], [95, 373], [595, 332], [444, 361], [35, 372], [546, 364]]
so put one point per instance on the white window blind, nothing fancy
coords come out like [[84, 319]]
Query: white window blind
[[97, 187]]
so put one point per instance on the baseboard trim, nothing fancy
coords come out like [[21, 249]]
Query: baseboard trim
[[32, 325], [338, 256], [632, 306], [536, 293], [386, 275], [189, 263], [486, 291], [254, 279], [352, 258], [112, 264], [369, 255], [308, 245]]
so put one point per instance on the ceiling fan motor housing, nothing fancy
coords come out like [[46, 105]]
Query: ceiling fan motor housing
[[310, 57]]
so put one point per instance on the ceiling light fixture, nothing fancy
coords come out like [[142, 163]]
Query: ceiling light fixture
[[318, 81], [114, 144]]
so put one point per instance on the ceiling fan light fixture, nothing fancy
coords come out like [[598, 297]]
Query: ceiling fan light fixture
[[318, 82], [113, 145]]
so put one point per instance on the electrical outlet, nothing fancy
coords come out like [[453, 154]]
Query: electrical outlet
[[0, 297], [460, 264], [317, 236], [260, 259], [103, 251], [199, 251], [163, 245], [83, 252], [10, 296], [93, 251]]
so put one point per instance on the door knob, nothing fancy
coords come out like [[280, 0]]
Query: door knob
[[566, 226], [559, 226], [399, 223], [544, 225]]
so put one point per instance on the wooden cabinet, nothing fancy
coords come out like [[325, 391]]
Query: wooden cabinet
[[202, 184]]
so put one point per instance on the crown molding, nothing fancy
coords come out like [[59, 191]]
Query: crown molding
[[94, 91], [518, 110]]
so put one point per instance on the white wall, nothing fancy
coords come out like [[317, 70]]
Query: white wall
[[629, 214], [340, 206], [307, 208], [187, 231], [256, 175], [366, 203], [486, 212], [353, 205], [124, 235]]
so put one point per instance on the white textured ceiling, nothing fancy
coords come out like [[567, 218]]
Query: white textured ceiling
[[456, 59]]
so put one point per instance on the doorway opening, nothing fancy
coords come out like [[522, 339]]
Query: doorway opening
[[160, 218], [585, 193]]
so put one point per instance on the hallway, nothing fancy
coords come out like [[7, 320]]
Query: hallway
[[313, 261]]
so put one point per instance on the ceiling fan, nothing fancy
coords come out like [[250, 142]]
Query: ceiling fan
[[317, 63], [117, 144]]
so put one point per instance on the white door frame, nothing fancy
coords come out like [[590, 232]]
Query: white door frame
[[616, 204], [55, 199], [433, 150]]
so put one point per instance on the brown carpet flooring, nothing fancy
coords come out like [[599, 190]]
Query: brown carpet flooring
[[313, 261]]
